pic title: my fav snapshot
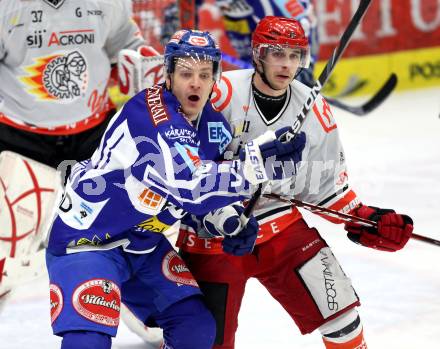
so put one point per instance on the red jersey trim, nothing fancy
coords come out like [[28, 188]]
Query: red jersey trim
[[345, 205], [70, 129], [189, 242]]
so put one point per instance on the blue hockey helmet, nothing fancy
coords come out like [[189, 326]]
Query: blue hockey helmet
[[196, 44]]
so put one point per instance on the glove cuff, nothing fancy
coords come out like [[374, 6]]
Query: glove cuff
[[371, 212]]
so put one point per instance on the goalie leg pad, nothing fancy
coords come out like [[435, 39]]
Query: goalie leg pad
[[86, 340], [27, 194], [28, 190]]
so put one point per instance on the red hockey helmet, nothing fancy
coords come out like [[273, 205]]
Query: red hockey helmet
[[280, 32]]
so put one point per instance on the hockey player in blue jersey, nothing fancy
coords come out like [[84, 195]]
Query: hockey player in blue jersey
[[106, 244]]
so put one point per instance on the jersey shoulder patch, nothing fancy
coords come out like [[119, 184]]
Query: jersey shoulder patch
[[322, 111]]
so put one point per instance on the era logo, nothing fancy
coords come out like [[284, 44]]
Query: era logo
[[325, 117], [218, 133]]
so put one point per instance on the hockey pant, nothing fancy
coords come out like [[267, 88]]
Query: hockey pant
[[87, 288], [296, 267]]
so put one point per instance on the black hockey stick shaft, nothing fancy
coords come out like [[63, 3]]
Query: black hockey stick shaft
[[316, 88], [345, 216], [372, 103]]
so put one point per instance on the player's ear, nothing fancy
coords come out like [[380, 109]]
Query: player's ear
[[168, 82]]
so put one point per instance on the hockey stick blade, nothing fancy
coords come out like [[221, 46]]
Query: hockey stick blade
[[319, 84], [344, 216], [372, 103]]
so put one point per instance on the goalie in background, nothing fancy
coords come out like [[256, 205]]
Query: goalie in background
[[53, 107], [290, 259]]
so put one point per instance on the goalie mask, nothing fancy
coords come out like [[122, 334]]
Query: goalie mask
[[198, 45], [273, 35]]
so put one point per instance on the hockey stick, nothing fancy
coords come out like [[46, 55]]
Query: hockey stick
[[344, 216], [316, 88], [372, 103]]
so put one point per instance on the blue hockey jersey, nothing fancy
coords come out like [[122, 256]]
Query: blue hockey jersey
[[242, 16], [150, 169]]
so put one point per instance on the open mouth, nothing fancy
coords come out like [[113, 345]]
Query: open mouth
[[194, 98], [283, 76]]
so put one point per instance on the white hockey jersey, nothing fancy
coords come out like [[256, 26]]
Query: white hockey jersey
[[55, 61], [321, 177]]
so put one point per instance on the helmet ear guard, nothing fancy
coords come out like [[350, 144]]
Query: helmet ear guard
[[198, 45]]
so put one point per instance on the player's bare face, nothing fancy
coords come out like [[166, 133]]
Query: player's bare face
[[192, 83], [280, 67]]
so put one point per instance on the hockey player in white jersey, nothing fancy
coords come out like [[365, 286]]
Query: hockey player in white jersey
[[290, 258], [55, 59], [152, 166]]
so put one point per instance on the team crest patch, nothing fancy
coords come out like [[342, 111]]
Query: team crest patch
[[58, 77], [98, 300], [149, 199], [174, 269], [56, 302], [54, 3], [198, 40], [154, 225], [218, 133], [190, 155]]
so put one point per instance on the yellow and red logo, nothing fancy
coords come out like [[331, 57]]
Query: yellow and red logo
[[57, 77]]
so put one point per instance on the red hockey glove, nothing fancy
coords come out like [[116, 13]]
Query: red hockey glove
[[392, 233]]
